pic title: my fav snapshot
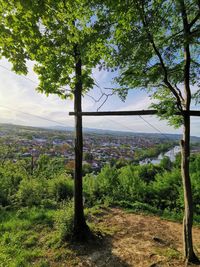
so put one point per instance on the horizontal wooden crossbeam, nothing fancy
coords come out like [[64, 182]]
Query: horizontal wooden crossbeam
[[127, 113]]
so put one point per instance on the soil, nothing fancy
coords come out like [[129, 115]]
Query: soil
[[134, 240]]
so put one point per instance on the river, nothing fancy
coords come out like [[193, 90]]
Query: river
[[170, 153]]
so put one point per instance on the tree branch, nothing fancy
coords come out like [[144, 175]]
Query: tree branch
[[194, 20], [156, 50], [179, 92], [186, 55], [103, 94]]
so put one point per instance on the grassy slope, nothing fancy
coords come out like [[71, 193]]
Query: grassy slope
[[29, 238]]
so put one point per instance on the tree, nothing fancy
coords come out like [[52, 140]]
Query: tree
[[156, 48], [65, 43]]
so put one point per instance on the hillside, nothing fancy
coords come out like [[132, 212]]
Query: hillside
[[136, 240], [60, 130], [36, 202], [122, 240]]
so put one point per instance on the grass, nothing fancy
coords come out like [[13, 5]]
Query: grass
[[37, 236], [20, 236], [168, 253]]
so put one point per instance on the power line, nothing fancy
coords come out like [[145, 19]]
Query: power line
[[33, 115], [27, 78], [23, 76], [26, 113], [152, 126], [29, 114], [119, 123]]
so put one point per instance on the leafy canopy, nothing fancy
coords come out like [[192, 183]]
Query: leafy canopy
[[48, 32], [149, 48]]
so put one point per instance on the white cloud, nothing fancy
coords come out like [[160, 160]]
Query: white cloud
[[18, 96], [139, 104]]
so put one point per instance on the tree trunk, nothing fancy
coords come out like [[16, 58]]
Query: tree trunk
[[80, 227], [189, 254]]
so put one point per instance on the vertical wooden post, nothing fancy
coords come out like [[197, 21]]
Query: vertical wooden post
[[80, 226]]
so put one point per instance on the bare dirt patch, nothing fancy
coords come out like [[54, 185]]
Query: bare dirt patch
[[135, 240]]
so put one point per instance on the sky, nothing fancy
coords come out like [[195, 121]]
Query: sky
[[21, 104]]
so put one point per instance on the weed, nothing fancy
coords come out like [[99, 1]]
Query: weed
[[169, 253]]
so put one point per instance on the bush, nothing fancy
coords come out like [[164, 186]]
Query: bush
[[31, 192], [10, 177], [63, 221], [44, 192], [144, 207], [61, 188], [148, 172], [131, 186], [91, 189], [107, 182], [166, 190]]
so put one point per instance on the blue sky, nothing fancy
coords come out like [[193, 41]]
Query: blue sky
[[19, 102]]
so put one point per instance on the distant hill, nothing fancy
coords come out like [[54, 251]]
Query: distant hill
[[175, 137]]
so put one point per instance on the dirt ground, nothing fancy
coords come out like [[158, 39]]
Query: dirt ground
[[135, 240]]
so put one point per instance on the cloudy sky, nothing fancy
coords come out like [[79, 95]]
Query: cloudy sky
[[21, 104]]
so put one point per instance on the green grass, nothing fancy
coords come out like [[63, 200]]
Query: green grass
[[38, 236], [21, 233], [168, 253]]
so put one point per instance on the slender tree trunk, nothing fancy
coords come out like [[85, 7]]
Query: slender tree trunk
[[80, 227], [189, 254]]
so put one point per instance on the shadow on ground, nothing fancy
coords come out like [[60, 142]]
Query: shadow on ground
[[98, 253]]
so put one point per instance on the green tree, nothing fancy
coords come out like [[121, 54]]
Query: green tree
[[156, 47], [166, 163], [65, 43]]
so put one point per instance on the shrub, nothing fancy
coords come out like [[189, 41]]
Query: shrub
[[31, 192], [166, 190], [61, 187], [107, 182], [131, 186], [10, 177], [91, 189], [63, 221], [148, 172]]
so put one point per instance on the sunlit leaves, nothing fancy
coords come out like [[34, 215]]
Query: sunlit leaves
[[148, 40], [47, 32]]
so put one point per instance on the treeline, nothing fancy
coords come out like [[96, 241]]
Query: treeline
[[40, 204], [152, 188]]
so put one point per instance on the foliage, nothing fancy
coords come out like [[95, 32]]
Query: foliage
[[61, 188], [10, 177], [158, 186], [48, 167], [160, 67], [152, 152], [132, 187], [165, 190], [31, 192], [42, 209], [64, 221], [51, 34], [20, 189]]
